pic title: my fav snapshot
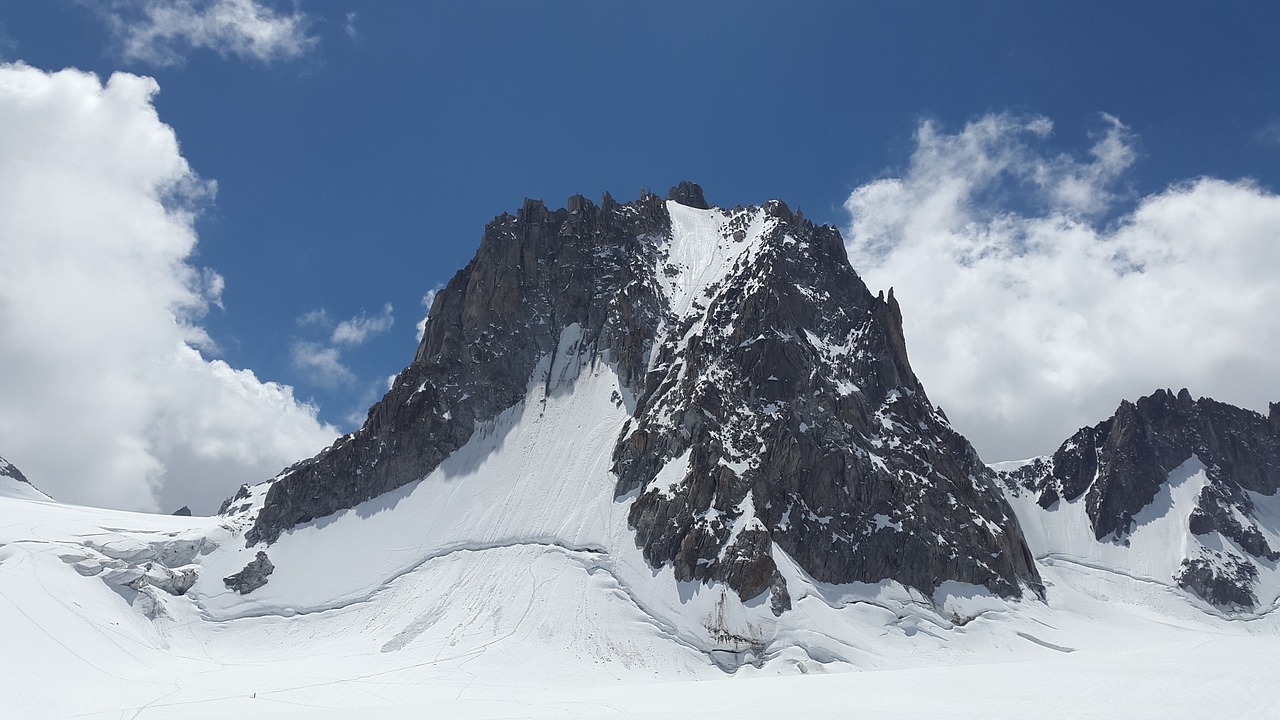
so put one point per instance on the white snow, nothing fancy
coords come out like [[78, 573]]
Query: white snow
[[14, 488], [702, 254]]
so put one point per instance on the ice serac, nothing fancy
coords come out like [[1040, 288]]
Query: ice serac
[[1119, 467], [772, 405]]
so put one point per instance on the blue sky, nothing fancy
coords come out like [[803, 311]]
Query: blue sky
[[356, 168]]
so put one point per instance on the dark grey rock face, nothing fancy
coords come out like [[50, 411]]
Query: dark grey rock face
[[690, 194], [784, 389], [7, 469], [253, 576], [1120, 464], [535, 273], [183, 511], [803, 424], [237, 502]]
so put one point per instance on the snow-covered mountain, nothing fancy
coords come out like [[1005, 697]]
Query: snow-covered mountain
[[652, 442], [1178, 490], [14, 484], [749, 405]]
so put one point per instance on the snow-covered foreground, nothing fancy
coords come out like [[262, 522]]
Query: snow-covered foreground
[[465, 637], [488, 591]]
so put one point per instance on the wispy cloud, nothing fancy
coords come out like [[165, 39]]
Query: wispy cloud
[[1035, 296], [349, 27], [321, 363], [1269, 134], [8, 46], [315, 318], [321, 360], [162, 32], [362, 327], [427, 301]]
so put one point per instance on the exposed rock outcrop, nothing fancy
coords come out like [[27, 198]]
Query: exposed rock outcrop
[[8, 470], [253, 576], [535, 273], [689, 194]]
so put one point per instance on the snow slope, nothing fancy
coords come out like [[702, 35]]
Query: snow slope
[[540, 631], [14, 485]]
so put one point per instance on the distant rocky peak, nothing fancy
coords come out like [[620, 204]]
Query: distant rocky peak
[[8, 470], [689, 194], [1120, 465]]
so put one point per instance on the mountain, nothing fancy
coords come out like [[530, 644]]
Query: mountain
[[7, 470], [651, 442], [767, 402], [1181, 490], [14, 484]]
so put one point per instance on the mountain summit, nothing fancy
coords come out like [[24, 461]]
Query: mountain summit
[[767, 406]]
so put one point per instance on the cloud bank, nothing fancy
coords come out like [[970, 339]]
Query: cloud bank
[[161, 32], [107, 399], [1035, 296]]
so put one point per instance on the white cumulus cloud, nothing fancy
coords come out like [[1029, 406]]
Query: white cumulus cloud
[[106, 398], [1034, 300], [161, 32], [362, 327]]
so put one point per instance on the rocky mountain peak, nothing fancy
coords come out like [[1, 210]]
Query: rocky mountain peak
[[7, 469], [1122, 464], [688, 194], [772, 407]]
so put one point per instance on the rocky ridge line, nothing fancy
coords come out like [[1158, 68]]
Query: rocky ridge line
[[7, 469]]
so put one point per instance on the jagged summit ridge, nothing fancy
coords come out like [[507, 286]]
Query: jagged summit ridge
[[772, 406]]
